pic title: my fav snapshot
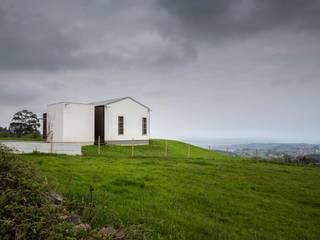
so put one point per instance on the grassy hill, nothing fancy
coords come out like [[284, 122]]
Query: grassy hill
[[205, 196], [156, 148]]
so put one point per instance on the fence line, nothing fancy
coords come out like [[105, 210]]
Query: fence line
[[75, 148], [166, 149], [132, 149], [99, 145]]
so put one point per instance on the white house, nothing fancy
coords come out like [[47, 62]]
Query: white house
[[115, 121]]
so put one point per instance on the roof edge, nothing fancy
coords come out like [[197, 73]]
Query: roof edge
[[105, 103], [118, 100], [50, 104]]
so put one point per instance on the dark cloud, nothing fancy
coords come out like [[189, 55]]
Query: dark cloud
[[80, 34], [71, 34], [14, 95], [220, 19], [29, 40]]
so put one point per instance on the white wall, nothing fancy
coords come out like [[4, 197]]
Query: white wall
[[78, 123], [71, 122], [74, 122], [29, 147], [55, 121], [133, 114]]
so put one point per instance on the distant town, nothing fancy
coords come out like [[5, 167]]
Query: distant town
[[275, 151]]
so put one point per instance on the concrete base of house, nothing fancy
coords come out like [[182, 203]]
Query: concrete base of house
[[128, 142]]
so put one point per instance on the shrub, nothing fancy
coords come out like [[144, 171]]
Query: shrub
[[27, 208]]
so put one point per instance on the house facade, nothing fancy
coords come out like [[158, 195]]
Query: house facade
[[116, 121]]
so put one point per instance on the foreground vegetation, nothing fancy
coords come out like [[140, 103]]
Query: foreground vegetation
[[27, 210], [205, 196], [30, 209]]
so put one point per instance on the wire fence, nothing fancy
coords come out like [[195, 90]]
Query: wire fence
[[163, 149]]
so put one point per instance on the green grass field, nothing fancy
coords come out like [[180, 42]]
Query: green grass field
[[206, 196]]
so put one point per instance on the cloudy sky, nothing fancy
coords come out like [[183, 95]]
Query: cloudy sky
[[207, 68]]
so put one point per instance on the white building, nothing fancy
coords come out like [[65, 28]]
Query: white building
[[115, 121]]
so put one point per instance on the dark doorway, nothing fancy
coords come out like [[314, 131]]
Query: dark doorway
[[99, 124], [44, 126]]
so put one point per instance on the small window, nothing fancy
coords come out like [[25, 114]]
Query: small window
[[144, 126], [120, 125]]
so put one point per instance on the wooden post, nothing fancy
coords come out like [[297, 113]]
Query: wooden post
[[132, 149], [166, 149], [99, 145], [51, 144], [188, 151]]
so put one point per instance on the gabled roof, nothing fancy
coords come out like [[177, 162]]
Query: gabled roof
[[106, 102], [50, 104], [114, 100]]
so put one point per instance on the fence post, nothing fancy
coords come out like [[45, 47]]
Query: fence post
[[99, 145], [166, 149], [51, 144], [188, 151], [132, 149]]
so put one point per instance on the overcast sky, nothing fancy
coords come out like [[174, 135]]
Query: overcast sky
[[207, 68]]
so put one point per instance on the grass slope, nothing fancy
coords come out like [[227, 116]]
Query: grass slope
[[155, 149], [209, 196]]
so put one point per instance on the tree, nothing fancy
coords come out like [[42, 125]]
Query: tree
[[24, 122]]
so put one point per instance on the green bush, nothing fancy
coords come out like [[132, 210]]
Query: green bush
[[27, 209]]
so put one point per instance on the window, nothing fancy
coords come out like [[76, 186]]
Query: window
[[144, 126], [120, 125]]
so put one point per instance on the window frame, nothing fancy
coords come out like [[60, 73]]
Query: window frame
[[144, 126], [121, 125]]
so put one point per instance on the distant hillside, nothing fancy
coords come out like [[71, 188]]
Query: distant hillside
[[273, 150]]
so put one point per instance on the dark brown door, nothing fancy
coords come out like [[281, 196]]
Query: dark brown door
[[99, 124], [44, 126]]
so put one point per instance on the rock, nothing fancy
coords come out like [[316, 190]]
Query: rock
[[84, 226], [56, 197], [75, 219], [115, 234], [108, 231], [64, 217], [119, 235]]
